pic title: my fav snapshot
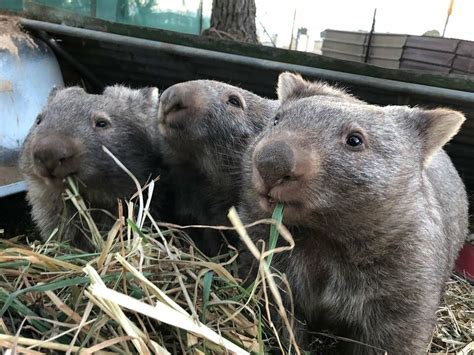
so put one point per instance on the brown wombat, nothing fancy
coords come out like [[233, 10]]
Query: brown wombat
[[376, 208], [206, 126], [67, 139]]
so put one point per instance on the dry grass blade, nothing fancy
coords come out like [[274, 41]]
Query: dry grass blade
[[110, 240], [160, 311], [34, 342], [265, 271], [467, 350], [160, 294], [72, 193], [139, 339], [135, 181], [454, 332]]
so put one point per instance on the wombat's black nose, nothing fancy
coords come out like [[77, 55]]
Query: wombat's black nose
[[275, 163], [55, 156]]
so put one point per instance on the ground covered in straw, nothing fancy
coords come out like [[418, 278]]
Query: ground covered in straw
[[149, 291]]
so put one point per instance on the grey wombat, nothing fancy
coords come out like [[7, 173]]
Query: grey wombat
[[67, 139], [376, 208], [206, 126]]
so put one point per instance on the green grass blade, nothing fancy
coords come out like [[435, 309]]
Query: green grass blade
[[137, 230], [277, 216], [207, 283], [57, 285]]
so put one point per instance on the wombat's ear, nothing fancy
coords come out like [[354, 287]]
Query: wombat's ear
[[150, 99], [293, 86], [436, 128], [151, 96], [53, 92], [289, 84]]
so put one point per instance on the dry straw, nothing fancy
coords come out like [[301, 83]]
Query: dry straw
[[148, 290]]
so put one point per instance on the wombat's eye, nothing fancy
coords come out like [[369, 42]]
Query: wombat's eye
[[39, 118], [276, 120], [100, 120], [354, 140], [234, 101], [101, 124]]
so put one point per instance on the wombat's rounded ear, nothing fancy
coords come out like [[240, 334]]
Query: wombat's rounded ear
[[293, 86], [150, 99], [53, 92], [151, 96], [436, 128], [289, 84]]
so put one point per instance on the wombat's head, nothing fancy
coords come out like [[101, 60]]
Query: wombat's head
[[333, 157], [69, 133], [206, 119]]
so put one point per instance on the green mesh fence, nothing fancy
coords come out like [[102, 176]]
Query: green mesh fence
[[135, 12], [15, 5]]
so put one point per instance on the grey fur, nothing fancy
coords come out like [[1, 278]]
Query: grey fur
[[68, 119], [377, 230], [204, 151]]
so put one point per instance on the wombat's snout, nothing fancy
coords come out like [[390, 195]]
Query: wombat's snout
[[179, 104], [283, 168], [275, 163], [56, 156]]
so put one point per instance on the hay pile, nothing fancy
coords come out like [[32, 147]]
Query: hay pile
[[454, 332], [149, 291]]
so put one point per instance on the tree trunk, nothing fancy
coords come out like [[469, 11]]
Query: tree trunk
[[233, 19]]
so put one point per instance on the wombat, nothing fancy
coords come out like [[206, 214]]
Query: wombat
[[376, 208], [67, 139], [206, 126]]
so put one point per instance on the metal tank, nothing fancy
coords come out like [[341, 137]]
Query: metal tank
[[28, 72]]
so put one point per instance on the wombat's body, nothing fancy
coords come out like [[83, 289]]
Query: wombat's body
[[376, 208], [67, 139], [206, 126]]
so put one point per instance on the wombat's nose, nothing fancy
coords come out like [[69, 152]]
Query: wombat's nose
[[55, 156], [275, 162], [178, 104], [173, 99]]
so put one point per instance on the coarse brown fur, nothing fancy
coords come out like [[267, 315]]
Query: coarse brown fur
[[67, 139], [377, 224], [206, 126]]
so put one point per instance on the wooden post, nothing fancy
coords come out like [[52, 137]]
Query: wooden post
[[450, 11], [369, 41]]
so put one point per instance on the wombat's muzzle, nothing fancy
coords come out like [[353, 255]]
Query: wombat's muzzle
[[179, 105], [283, 168], [275, 163], [55, 156]]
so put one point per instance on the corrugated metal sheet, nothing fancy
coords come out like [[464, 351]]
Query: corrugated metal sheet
[[442, 55], [463, 65], [421, 55], [435, 54], [138, 66], [385, 49], [466, 48], [437, 44]]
